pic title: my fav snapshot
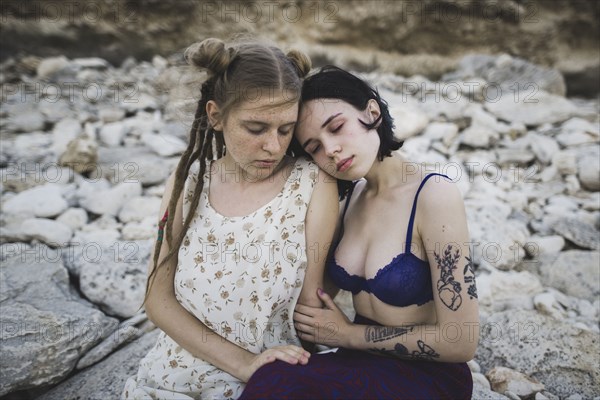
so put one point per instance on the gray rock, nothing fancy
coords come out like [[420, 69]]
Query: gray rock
[[588, 167], [27, 122], [409, 120], [111, 200], [134, 164], [581, 233], [46, 326], [47, 231], [555, 353], [574, 272], [548, 108], [509, 73], [138, 208], [113, 133], [106, 379], [91, 62], [479, 136], [116, 279], [543, 147], [164, 145], [74, 218], [111, 115], [42, 201]]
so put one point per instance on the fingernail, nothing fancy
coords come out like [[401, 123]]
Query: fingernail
[[320, 291]]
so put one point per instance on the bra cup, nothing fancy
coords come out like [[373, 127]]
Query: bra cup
[[406, 280], [403, 282]]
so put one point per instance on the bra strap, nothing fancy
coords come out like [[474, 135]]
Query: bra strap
[[411, 221], [348, 196]]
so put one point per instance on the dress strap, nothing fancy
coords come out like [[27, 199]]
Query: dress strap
[[411, 221]]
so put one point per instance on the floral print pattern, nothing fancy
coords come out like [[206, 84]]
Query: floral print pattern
[[240, 276]]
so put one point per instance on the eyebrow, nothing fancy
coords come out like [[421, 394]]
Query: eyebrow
[[250, 121], [328, 120]]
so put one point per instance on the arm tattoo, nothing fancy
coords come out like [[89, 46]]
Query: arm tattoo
[[469, 274], [425, 352], [448, 288], [381, 333]]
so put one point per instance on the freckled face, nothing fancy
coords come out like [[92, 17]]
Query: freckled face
[[330, 131], [258, 133]]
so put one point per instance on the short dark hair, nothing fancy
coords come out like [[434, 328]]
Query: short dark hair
[[331, 82]]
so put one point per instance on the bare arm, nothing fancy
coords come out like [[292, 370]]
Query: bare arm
[[171, 317], [320, 225], [454, 336]]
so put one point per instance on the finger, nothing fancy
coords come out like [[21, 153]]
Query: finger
[[287, 357], [306, 337], [302, 318], [305, 328], [306, 310], [325, 298]]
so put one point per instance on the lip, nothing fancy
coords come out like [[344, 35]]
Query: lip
[[266, 163], [344, 164]]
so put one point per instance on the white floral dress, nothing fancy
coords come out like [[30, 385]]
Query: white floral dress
[[241, 277]]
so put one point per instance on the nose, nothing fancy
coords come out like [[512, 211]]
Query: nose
[[331, 147], [272, 143]]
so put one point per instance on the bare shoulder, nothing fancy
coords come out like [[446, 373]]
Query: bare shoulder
[[440, 193]]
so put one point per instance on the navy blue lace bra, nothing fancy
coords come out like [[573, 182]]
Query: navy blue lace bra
[[406, 280]]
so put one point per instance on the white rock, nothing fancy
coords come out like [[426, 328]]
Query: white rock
[[474, 366], [74, 218], [110, 201], [63, 132], [138, 208], [580, 125], [117, 280], [112, 133], [538, 246], [145, 229], [547, 304], [479, 136], [111, 114], [91, 62], [565, 162], [409, 121], [47, 231], [164, 145], [548, 108], [543, 147], [51, 65], [480, 380], [444, 131], [570, 139], [44, 201], [588, 168]]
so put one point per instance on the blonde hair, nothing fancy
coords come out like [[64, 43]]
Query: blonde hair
[[233, 71]]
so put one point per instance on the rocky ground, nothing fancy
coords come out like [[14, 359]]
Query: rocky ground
[[86, 148]]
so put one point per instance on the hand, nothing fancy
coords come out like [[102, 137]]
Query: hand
[[328, 326], [290, 354]]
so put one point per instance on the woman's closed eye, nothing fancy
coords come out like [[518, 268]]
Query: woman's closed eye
[[337, 128]]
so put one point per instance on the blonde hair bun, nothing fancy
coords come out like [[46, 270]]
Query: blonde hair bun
[[301, 61], [210, 54]]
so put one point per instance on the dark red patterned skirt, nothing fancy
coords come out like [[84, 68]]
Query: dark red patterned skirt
[[349, 374]]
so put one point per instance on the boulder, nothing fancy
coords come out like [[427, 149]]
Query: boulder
[[46, 326]]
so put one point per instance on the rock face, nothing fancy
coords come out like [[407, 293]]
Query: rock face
[[46, 326], [425, 37], [106, 379], [544, 349]]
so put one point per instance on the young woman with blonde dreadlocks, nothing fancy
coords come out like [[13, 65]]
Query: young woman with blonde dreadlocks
[[239, 218]]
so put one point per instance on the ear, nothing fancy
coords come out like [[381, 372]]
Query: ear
[[213, 113], [373, 110]]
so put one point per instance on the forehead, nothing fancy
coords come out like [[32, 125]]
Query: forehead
[[315, 112], [267, 108]]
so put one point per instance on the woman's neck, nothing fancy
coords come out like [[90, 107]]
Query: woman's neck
[[387, 174]]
